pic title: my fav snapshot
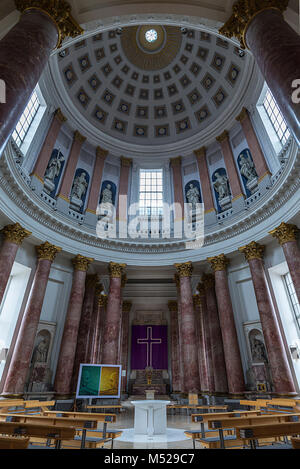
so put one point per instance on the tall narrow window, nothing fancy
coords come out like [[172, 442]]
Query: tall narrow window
[[26, 119], [292, 296], [276, 118], [151, 192]]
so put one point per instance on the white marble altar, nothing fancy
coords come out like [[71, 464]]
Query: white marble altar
[[150, 417]]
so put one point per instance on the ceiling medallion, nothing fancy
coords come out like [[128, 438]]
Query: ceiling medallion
[[151, 47]]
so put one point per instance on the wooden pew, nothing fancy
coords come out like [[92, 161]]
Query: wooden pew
[[7, 404], [295, 442], [189, 407], [14, 442], [43, 432], [105, 407], [100, 417], [256, 432], [213, 416]]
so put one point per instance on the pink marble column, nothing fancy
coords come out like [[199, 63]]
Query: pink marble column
[[234, 179], [84, 327], [63, 377], [175, 353], [207, 194], [20, 362], [69, 172], [48, 145], [234, 369], [219, 367], [122, 206], [275, 46], [286, 234], [178, 195], [94, 195], [208, 384], [179, 319], [112, 323], [98, 314], [280, 369], [188, 330], [13, 235], [258, 157], [126, 308]]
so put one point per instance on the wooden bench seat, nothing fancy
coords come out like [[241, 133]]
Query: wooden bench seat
[[213, 416], [254, 433], [43, 432], [14, 442], [101, 417]]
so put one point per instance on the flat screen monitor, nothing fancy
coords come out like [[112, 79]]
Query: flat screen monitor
[[99, 381]]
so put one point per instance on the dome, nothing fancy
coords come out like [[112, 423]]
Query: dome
[[131, 94]]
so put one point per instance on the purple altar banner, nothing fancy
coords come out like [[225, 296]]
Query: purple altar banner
[[149, 347]]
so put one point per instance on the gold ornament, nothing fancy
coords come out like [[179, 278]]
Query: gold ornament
[[173, 306], [176, 161], [224, 136], [78, 137], [243, 12], [185, 269], [126, 306], [15, 233], [100, 153], [47, 251], [284, 233], [253, 250], [102, 301], [60, 13], [218, 262], [196, 301], [125, 161], [116, 270], [98, 289], [60, 115], [200, 153], [81, 263], [242, 115]]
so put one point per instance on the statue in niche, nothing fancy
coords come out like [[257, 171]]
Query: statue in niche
[[40, 352], [54, 167], [80, 186], [221, 185], [258, 350], [247, 168], [193, 196], [107, 195]]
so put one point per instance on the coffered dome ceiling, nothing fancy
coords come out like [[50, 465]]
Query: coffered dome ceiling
[[151, 84]]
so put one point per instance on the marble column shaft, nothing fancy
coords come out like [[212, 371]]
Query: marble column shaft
[[63, 377], [13, 238], [112, 323], [48, 145], [199, 334], [208, 369], [20, 362], [276, 49], [126, 307], [234, 369], [175, 353], [69, 173], [280, 369], [84, 331], [217, 350], [286, 235], [207, 193], [24, 53], [188, 330]]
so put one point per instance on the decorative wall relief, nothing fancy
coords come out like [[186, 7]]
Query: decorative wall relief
[[53, 172], [79, 190], [248, 172], [222, 189]]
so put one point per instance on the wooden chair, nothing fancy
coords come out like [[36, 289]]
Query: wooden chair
[[14, 442], [295, 442]]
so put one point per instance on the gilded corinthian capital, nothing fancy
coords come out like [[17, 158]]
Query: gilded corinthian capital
[[15, 233], [253, 250], [285, 233], [243, 12], [47, 251], [116, 270], [60, 13], [81, 263], [218, 262], [185, 269]]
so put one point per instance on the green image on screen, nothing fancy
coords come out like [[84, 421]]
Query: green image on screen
[[90, 381]]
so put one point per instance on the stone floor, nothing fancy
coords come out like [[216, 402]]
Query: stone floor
[[125, 420]]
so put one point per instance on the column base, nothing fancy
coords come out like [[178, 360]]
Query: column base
[[7, 395]]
